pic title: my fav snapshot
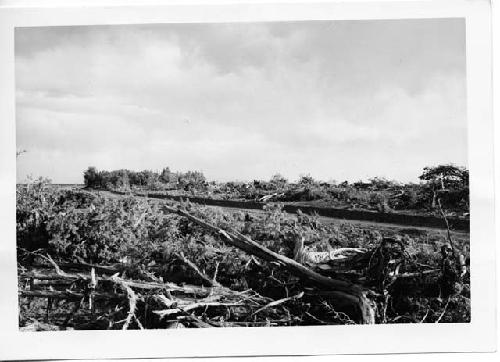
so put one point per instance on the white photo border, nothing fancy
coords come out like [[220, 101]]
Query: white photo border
[[478, 335]]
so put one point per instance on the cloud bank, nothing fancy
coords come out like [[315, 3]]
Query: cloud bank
[[335, 99]]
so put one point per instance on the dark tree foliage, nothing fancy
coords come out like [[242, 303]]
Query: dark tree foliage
[[191, 180], [381, 183], [307, 180], [446, 176], [449, 184], [168, 176], [278, 181], [91, 177], [125, 179]]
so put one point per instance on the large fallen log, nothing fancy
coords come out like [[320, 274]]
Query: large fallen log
[[138, 284], [103, 269], [67, 294], [345, 292]]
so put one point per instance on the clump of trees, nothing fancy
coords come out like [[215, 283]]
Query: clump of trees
[[147, 179]]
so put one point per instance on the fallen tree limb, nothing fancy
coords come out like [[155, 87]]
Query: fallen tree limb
[[205, 278], [448, 232], [277, 302], [459, 257], [340, 255], [418, 274], [353, 293], [54, 294], [443, 312], [165, 312], [252, 247], [170, 287], [106, 269], [195, 321], [132, 300]]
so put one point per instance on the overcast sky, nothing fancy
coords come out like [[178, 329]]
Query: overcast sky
[[333, 99]]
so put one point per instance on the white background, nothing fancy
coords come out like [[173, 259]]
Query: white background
[[391, 338]]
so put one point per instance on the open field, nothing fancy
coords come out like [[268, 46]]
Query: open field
[[96, 260]]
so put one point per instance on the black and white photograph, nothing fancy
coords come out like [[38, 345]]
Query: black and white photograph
[[242, 175], [266, 174]]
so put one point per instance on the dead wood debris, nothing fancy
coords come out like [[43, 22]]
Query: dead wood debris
[[152, 304], [162, 300]]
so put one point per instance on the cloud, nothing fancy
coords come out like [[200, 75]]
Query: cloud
[[243, 101]]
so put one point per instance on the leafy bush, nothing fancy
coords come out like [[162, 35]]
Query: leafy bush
[[278, 181], [381, 183], [307, 180]]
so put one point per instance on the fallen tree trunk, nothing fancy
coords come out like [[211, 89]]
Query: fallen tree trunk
[[55, 294], [345, 292], [103, 269], [72, 277]]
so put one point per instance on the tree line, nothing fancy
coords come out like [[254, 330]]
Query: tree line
[[125, 179], [447, 183]]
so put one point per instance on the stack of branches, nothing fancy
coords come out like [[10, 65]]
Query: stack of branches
[[112, 301]]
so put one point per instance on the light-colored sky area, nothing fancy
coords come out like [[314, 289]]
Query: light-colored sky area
[[333, 99]]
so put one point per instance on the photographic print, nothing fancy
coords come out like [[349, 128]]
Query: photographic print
[[228, 180], [262, 174]]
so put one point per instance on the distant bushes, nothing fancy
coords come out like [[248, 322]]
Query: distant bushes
[[150, 180], [447, 184]]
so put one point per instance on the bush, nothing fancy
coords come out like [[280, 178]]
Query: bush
[[307, 181], [91, 178], [305, 194], [381, 183], [278, 181]]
